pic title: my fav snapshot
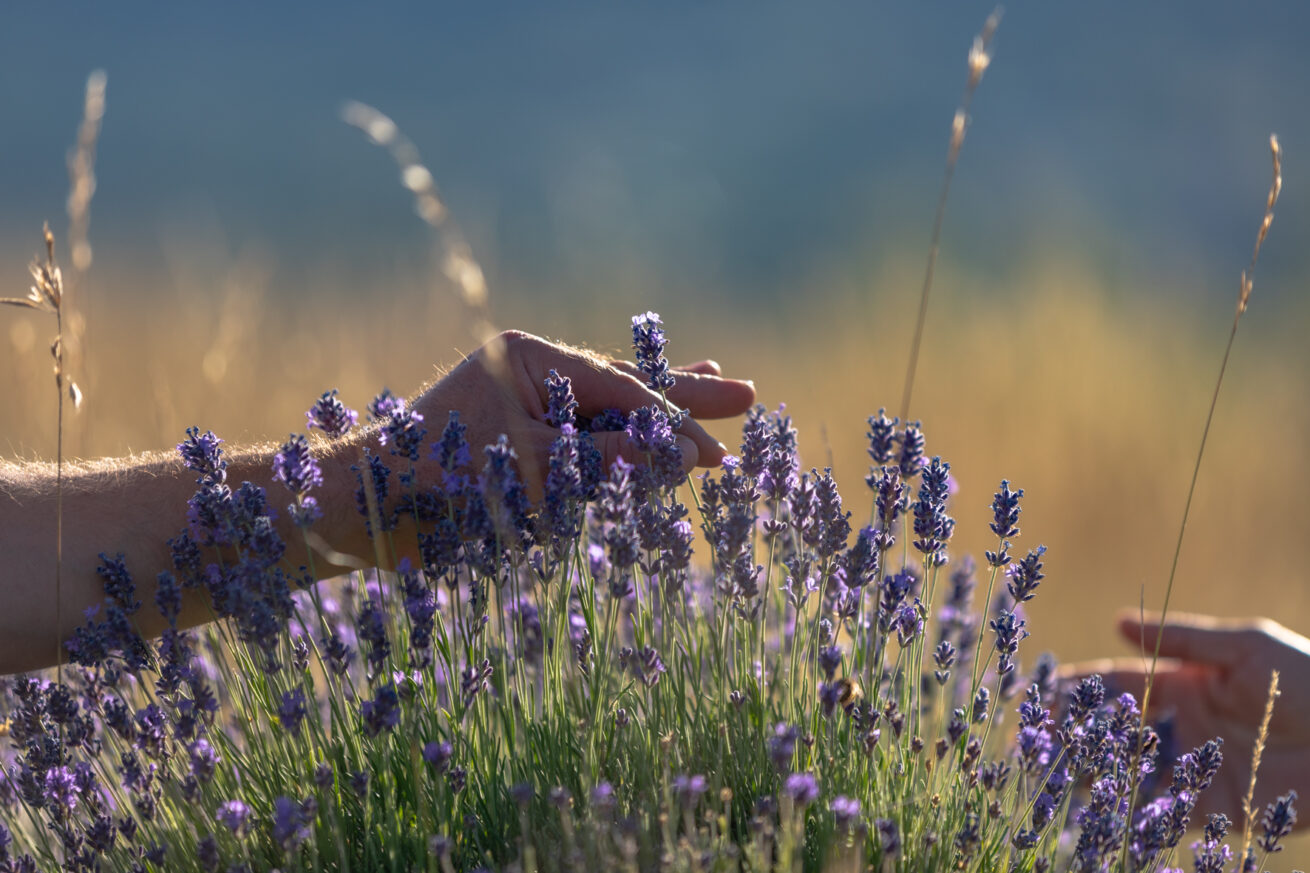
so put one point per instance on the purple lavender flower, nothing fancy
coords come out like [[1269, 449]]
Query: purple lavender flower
[[609, 419], [201, 453], [802, 787], [382, 713], [1031, 711], [291, 711], [782, 745], [438, 755], [385, 405], [1086, 696], [452, 450], [294, 466], [522, 794], [602, 797], [60, 792], [371, 626], [909, 622], [204, 760], [829, 660], [1025, 575], [291, 823], [1005, 511], [1211, 855], [932, 526], [689, 789], [1279, 819], [782, 464], [331, 416], [1102, 823], [882, 438], [755, 442], [400, 426], [119, 587], [944, 657], [889, 835], [890, 500], [562, 506], [561, 405], [911, 456], [651, 433], [830, 694], [845, 810], [648, 342], [619, 531], [207, 854], [505, 497], [863, 560], [379, 474], [1009, 630], [560, 798], [650, 667], [831, 526], [892, 594], [1195, 770], [525, 619], [168, 597], [235, 816], [475, 680]]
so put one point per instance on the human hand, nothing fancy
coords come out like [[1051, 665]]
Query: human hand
[[1213, 678], [500, 389]]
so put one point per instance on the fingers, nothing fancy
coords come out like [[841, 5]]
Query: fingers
[[1174, 682], [1198, 638], [704, 368], [701, 388], [598, 386]]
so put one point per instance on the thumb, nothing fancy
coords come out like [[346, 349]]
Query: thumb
[[1198, 638]]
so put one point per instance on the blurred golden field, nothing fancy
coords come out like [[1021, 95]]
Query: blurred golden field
[[1087, 394]]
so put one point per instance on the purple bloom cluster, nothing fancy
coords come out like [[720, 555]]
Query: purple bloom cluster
[[648, 342], [331, 416], [401, 427], [294, 466], [561, 405]]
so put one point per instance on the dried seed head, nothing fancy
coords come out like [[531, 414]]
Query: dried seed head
[[1275, 188], [958, 124], [980, 52]]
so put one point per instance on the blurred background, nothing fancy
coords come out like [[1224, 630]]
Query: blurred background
[[763, 175]]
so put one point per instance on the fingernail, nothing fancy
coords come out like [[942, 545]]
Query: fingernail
[[723, 448]]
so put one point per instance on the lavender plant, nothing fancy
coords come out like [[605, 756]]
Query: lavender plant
[[556, 685]]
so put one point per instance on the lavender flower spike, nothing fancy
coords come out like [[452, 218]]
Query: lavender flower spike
[[561, 406], [331, 416], [294, 466], [648, 341], [1280, 818]]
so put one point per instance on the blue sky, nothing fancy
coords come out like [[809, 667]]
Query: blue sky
[[731, 145]]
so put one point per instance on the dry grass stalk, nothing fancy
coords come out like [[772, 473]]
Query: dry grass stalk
[[457, 261], [49, 293], [979, 59], [1243, 297], [1248, 802]]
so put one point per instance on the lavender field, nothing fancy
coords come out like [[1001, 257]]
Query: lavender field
[[835, 647]]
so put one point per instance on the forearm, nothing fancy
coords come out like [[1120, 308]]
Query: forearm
[[133, 506]]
